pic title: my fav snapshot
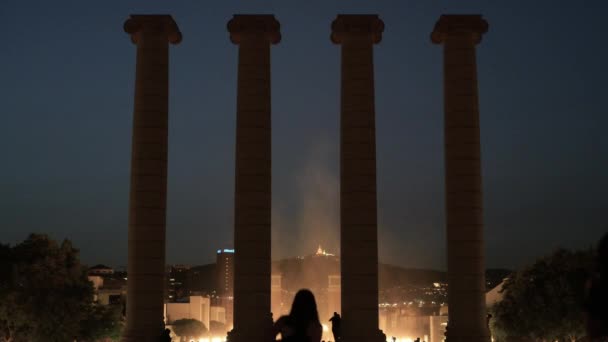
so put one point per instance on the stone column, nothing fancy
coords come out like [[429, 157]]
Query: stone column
[[147, 201], [465, 247], [253, 34], [358, 218]]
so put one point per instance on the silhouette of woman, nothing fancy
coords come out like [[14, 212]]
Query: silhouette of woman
[[302, 324]]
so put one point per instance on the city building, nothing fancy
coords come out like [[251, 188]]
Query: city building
[[108, 287], [197, 307], [495, 295], [437, 328], [333, 294], [227, 304], [100, 270], [277, 305], [177, 283], [217, 314], [225, 272], [111, 294]]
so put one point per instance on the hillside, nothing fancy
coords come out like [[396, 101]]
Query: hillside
[[202, 278], [313, 272]]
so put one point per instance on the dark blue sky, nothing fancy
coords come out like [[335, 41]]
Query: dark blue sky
[[67, 82]]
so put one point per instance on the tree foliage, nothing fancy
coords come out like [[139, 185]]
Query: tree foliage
[[44, 292], [217, 328], [102, 321], [189, 328], [544, 301]]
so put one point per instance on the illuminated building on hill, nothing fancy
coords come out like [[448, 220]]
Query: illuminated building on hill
[[322, 252]]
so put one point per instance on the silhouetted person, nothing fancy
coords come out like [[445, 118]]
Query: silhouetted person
[[336, 326], [165, 336], [597, 298], [302, 324]]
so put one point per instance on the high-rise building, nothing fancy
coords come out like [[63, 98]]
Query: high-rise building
[[177, 283], [225, 272]]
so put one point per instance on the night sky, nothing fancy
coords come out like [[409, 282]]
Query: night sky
[[67, 74]]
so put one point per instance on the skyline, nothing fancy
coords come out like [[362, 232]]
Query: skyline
[[67, 151]]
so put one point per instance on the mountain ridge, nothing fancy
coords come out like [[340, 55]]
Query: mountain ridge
[[313, 272]]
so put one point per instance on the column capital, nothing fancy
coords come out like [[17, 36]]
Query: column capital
[[350, 25], [266, 25], [459, 24], [154, 24]]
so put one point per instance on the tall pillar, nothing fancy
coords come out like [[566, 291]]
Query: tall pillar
[[358, 218], [147, 201], [465, 247], [253, 34]]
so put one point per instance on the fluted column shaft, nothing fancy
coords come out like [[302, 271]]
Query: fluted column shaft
[[252, 211], [464, 215], [147, 200], [358, 206]]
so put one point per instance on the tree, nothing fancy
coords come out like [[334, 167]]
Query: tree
[[217, 328], [45, 294], [544, 301], [102, 322], [189, 328]]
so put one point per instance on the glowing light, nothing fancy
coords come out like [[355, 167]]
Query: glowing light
[[321, 251], [401, 339], [325, 327]]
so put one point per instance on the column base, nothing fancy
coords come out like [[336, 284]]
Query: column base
[[475, 336], [238, 336], [449, 338], [377, 336], [127, 337], [235, 336]]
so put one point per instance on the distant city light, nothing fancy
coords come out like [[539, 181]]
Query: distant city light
[[225, 250]]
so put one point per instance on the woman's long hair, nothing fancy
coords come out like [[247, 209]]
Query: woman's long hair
[[304, 311]]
